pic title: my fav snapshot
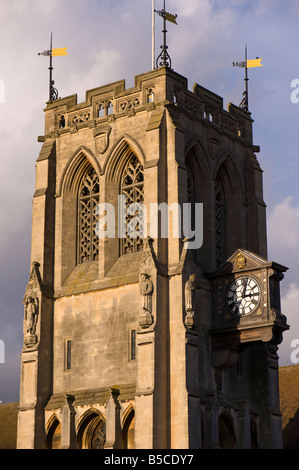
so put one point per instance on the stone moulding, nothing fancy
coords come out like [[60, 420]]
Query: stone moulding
[[91, 397], [75, 161]]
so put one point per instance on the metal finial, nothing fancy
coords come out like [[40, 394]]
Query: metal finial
[[244, 103], [247, 64], [163, 58], [53, 92]]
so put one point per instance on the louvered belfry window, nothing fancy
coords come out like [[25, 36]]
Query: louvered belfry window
[[88, 200], [133, 193]]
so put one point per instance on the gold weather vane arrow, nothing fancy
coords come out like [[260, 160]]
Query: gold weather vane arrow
[[59, 52], [168, 16], [54, 52], [255, 63], [53, 92], [250, 63], [247, 64]]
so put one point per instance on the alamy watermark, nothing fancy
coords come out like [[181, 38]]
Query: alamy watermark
[[2, 92], [295, 353], [295, 92], [2, 352], [136, 221]]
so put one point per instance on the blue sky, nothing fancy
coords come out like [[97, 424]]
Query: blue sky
[[109, 40]]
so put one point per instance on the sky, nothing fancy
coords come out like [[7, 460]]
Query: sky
[[110, 40]]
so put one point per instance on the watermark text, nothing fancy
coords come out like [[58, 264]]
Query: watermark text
[[2, 352], [159, 220], [295, 92], [295, 353]]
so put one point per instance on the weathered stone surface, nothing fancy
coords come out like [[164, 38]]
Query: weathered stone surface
[[129, 337]]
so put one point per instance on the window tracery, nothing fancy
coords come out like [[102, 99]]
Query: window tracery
[[88, 200], [132, 191]]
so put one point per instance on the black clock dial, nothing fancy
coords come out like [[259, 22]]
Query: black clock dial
[[243, 296]]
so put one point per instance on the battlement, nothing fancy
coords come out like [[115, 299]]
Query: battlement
[[158, 88]]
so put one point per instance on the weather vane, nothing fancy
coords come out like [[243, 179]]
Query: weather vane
[[53, 92], [247, 64], [164, 58]]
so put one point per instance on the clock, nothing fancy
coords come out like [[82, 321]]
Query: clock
[[243, 295]]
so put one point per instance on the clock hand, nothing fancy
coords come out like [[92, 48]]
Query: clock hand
[[249, 295], [244, 288]]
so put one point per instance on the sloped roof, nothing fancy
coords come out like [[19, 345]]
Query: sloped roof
[[289, 405], [8, 425]]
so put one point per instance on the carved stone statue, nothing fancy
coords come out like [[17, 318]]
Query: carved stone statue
[[189, 308], [31, 313], [146, 288]]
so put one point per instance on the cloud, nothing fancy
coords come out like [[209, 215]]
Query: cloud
[[104, 69], [289, 307], [283, 241], [283, 236], [191, 9]]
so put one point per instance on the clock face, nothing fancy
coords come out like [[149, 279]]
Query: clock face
[[243, 296]]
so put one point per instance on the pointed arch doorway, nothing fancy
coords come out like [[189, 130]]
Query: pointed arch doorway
[[92, 431]]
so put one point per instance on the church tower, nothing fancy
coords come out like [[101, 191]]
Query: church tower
[[152, 315]]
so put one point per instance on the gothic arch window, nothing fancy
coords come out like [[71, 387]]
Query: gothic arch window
[[53, 439], [110, 108], [227, 434], [101, 110], [132, 192], [88, 200], [198, 192], [150, 96], [228, 212], [92, 431], [62, 122], [128, 431]]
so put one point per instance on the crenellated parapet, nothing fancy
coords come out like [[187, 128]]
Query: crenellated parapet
[[158, 88]]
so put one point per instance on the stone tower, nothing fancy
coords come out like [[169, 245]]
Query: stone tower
[[135, 339]]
